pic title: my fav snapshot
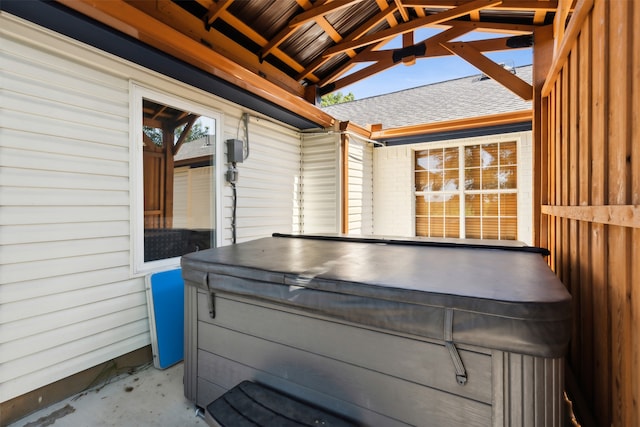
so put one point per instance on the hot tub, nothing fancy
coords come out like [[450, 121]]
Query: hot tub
[[384, 332]]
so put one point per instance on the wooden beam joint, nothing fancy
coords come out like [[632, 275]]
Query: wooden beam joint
[[509, 80]]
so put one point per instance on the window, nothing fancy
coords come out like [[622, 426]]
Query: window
[[176, 212], [467, 191]]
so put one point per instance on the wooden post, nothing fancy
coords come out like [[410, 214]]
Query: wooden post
[[167, 184], [542, 53], [344, 178]]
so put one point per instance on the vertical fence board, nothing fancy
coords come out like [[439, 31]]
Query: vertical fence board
[[618, 148], [557, 199], [593, 145], [551, 197], [565, 105], [585, 319], [545, 118], [542, 57], [572, 238], [553, 176], [634, 417], [601, 328]]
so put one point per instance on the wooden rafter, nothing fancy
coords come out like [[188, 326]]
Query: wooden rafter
[[157, 113], [363, 29], [494, 27], [539, 16], [383, 59], [141, 26], [304, 72], [456, 29], [406, 27], [315, 13], [216, 40], [216, 10], [185, 132], [407, 42], [512, 82], [258, 39], [320, 11], [402, 10], [435, 50], [523, 5], [148, 142]]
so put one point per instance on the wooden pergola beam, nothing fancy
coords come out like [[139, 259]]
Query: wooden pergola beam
[[406, 27], [185, 132], [384, 59], [494, 27], [217, 41], [363, 29], [497, 72], [316, 13], [320, 11], [261, 41], [216, 10], [523, 5], [140, 26], [403, 12]]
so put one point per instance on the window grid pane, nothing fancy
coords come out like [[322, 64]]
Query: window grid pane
[[489, 191]]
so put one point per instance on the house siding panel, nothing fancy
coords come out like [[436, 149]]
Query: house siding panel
[[267, 186], [69, 297], [360, 187], [393, 191], [65, 162], [320, 183]]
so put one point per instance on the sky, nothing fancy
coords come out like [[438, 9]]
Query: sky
[[431, 70]]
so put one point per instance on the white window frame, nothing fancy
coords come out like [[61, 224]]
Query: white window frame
[[460, 191], [137, 93]]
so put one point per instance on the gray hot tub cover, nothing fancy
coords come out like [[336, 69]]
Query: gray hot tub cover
[[500, 298]]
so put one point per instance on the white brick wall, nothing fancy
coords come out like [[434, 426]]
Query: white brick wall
[[392, 191], [393, 198], [525, 188]]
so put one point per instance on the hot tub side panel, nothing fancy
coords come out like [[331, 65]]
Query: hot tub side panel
[[365, 374]]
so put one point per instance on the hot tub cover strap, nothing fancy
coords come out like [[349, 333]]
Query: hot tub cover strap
[[461, 373]]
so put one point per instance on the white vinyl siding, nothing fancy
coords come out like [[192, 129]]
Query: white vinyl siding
[[267, 180], [320, 183], [360, 187], [68, 301], [393, 191], [193, 197], [69, 297]]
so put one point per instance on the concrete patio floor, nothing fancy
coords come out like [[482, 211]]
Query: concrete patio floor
[[146, 397]]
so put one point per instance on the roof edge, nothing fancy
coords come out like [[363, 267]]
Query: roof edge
[[100, 31], [454, 125]]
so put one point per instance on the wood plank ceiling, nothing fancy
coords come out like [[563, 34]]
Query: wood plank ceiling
[[311, 48]]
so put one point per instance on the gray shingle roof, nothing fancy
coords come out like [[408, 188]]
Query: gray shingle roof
[[450, 100], [197, 148]]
